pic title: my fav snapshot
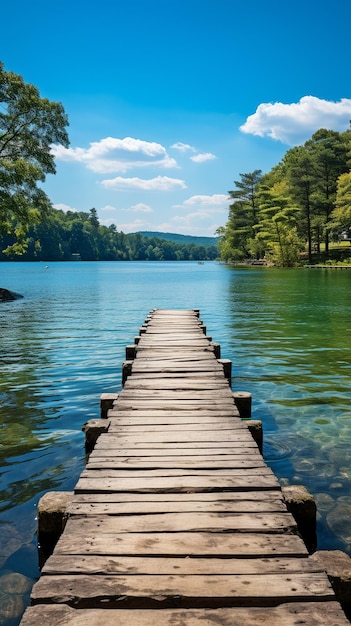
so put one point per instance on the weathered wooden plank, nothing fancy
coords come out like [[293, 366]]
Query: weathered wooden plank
[[93, 507], [177, 483], [130, 565], [200, 416], [128, 418], [183, 474], [179, 367], [185, 331], [163, 326], [162, 424], [183, 522], [174, 404], [179, 436], [177, 353], [239, 545], [178, 384], [208, 372], [202, 455], [164, 447], [311, 613], [159, 328], [181, 462], [163, 591], [181, 344], [225, 398], [133, 429], [234, 498]]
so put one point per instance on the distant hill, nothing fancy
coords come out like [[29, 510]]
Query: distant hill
[[186, 239]]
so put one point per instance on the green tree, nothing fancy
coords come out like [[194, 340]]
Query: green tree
[[93, 218], [29, 126], [341, 215], [301, 175], [329, 150], [237, 236], [277, 236]]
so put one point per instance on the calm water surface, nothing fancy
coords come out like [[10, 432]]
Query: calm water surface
[[288, 333]]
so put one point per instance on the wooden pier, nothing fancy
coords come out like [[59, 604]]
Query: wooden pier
[[177, 520]]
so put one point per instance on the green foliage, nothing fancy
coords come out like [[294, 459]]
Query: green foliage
[[29, 125], [236, 237], [300, 201], [66, 236], [341, 215]]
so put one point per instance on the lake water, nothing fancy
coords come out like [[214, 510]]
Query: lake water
[[287, 332]]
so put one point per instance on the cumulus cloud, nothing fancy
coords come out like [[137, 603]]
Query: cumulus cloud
[[195, 223], [141, 207], [108, 207], [198, 157], [113, 155], [160, 183], [215, 202], [201, 158], [183, 147], [135, 226], [294, 123], [64, 207], [200, 214]]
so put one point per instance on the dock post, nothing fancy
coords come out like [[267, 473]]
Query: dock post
[[256, 430], [243, 402], [126, 370], [227, 369], [52, 518], [106, 403], [217, 349], [131, 352], [92, 430], [300, 503]]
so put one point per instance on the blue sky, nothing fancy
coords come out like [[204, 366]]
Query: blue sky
[[170, 100]]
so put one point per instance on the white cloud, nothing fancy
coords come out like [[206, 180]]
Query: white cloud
[[108, 207], [206, 214], [160, 183], [183, 147], [112, 155], [136, 225], [196, 223], [143, 208], [64, 207], [201, 158], [215, 202], [296, 122]]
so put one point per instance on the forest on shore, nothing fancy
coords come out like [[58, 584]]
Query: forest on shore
[[299, 210], [67, 236]]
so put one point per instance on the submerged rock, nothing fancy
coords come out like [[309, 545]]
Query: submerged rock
[[338, 521], [13, 589], [6, 295]]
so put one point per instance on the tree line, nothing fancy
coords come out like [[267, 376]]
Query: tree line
[[296, 209], [72, 235]]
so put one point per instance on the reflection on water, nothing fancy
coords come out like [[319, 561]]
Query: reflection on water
[[286, 331], [292, 342]]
